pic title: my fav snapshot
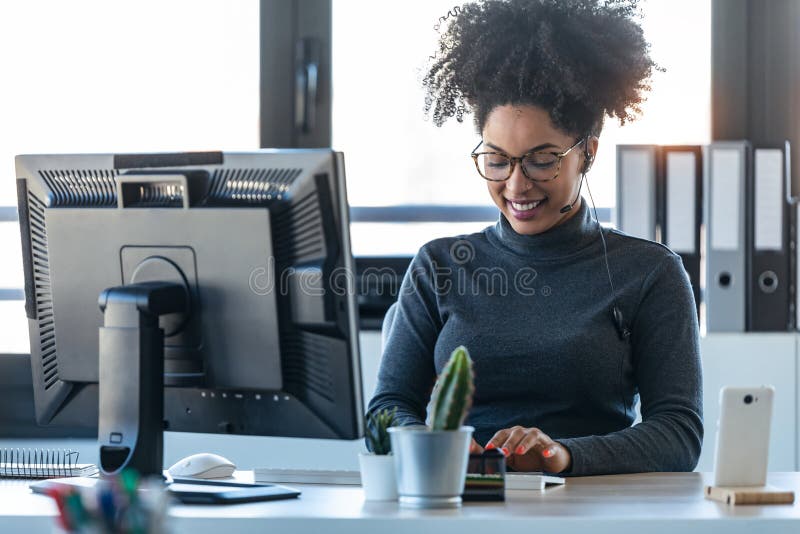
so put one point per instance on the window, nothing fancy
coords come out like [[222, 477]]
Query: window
[[96, 76], [378, 59], [99, 76]]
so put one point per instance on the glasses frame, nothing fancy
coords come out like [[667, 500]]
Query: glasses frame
[[515, 160]]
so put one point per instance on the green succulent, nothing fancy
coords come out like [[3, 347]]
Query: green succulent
[[451, 398], [377, 430]]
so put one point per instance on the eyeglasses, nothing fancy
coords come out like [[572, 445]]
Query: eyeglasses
[[536, 166]]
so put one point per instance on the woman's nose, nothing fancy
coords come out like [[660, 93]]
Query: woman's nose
[[517, 182]]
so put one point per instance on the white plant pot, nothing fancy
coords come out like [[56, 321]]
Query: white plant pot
[[378, 477]]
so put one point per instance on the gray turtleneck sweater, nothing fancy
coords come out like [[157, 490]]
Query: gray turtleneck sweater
[[535, 313]]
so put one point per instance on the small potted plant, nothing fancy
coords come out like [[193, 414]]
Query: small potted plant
[[377, 468], [431, 460]]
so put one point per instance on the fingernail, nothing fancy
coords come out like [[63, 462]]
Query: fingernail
[[489, 446], [547, 453], [520, 450], [505, 451]]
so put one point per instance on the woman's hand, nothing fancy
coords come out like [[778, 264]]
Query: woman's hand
[[474, 448], [530, 449]]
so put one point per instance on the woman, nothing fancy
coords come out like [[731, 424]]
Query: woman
[[567, 324]]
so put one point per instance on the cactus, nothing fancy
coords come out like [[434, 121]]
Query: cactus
[[451, 398], [377, 434]]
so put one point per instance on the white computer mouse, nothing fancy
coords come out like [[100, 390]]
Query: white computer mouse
[[203, 465]]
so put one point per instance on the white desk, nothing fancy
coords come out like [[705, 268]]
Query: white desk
[[641, 504]]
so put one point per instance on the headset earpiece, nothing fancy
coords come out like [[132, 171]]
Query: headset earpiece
[[587, 164], [588, 158]]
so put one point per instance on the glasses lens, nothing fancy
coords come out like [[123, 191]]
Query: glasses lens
[[541, 165], [494, 166]]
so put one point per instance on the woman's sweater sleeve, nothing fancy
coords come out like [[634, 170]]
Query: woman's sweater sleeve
[[407, 372], [666, 357]]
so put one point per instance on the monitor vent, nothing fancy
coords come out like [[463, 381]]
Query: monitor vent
[[306, 364], [155, 195], [299, 233], [43, 292], [251, 186], [82, 187]]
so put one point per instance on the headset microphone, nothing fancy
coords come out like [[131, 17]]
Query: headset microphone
[[568, 207], [619, 321]]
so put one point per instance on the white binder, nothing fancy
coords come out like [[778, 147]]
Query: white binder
[[636, 190], [680, 207], [727, 164], [681, 193]]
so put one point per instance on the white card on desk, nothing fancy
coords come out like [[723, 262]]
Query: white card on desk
[[530, 481]]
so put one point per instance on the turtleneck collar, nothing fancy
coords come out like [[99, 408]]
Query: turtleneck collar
[[569, 237]]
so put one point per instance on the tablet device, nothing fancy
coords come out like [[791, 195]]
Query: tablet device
[[214, 492]]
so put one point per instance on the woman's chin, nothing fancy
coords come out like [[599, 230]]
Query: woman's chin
[[537, 220], [526, 226]]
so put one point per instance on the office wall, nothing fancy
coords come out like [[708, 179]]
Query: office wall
[[755, 78], [752, 360]]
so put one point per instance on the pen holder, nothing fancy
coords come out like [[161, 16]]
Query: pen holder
[[113, 505]]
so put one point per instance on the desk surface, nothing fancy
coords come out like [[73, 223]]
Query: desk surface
[[642, 503]]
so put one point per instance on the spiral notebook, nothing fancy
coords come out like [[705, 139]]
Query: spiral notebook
[[42, 463]]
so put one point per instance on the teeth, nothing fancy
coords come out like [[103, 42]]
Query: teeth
[[525, 207]]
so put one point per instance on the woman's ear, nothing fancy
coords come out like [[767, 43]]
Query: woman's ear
[[589, 153], [594, 142]]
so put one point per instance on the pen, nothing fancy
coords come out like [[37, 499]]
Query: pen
[[63, 521], [107, 508], [74, 506]]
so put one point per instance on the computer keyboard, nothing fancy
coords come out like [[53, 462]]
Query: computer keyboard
[[308, 476], [514, 481]]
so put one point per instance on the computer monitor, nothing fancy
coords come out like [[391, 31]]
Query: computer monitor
[[260, 241]]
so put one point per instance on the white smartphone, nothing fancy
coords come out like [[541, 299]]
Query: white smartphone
[[742, 448]]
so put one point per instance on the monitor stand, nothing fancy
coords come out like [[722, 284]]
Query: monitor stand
[[131, 363]]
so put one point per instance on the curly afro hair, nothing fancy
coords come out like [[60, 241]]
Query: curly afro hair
[[577, 59]]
